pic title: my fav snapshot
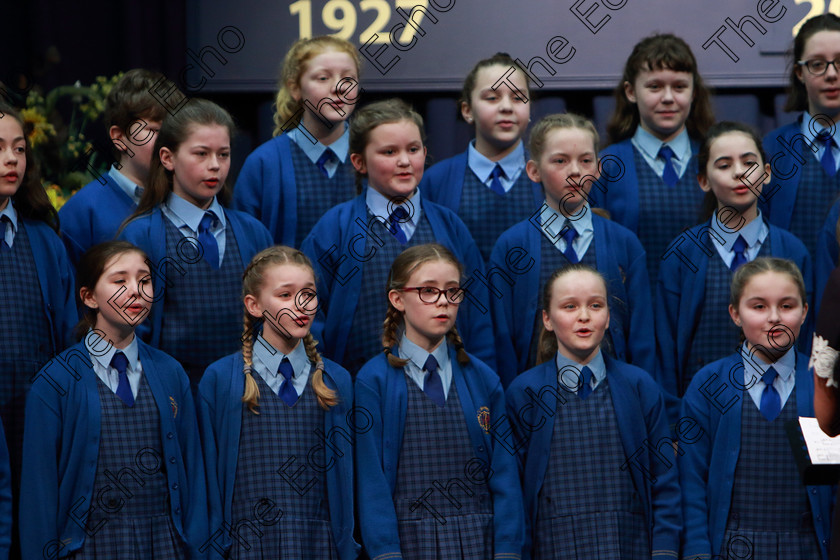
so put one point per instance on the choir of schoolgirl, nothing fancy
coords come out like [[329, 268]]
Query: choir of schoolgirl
[[297, 375]]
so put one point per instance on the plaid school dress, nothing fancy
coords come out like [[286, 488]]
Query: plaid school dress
[[203, 319], [664, 211], [297, 525], [454, 521], [135, 523], [487, 215], [814, 197], [317, 193], [588, 505], [364, 340], [770, 517]]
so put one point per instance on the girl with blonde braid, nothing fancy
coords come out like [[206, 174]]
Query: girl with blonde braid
[[436, 483], [277, 487]]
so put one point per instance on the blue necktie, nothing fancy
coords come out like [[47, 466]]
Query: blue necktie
[[432, 386], [287, 391], [7, 225], [585, 382], [119, 362], [569, 235], [325, 158], [208, 240], [827, 159], [771, 402], [496, 183], [669, 175], [740, 258], [397, 216]]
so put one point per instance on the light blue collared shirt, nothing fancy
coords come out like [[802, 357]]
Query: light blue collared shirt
[[754, 233], [102, 351], [811, 136], [128, 186], [186, 216], [379, 205], [512, 164], [553, 223], [755, 367], [648, 145], [340, 148], [417, 357], [11, 213], [568, 371], [266, 361]]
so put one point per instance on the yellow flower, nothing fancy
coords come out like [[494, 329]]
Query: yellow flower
[[56, 196], [41, 129]]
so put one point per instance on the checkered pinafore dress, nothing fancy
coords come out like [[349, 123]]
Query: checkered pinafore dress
[[294, 521], [814, 197], [770, 517], [588, 505], [441, 513], [131, 519]]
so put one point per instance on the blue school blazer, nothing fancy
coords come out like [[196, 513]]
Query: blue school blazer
[[338, 237], [149, 233], [640, 411], [827, 249], [266, 189], [707, 465], [680, 296], [93, 215], [381, 391], [620, 258], [61, 446], [56, 276], [787, 173], [220, 416], [622, 196], [5, 498], [443, 182]]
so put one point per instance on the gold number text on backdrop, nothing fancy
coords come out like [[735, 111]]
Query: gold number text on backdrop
[[341, 17], [817, 8]]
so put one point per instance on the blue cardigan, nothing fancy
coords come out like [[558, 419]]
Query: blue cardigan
[[56, 276], [827, 249], [381, 390], [620, 258], [5, 498], [266, 189], [61, 446], [680, 297], [338, 237], [220, 414], [149, 233], [707, 466], [622, 196], [778, 204], [443, 182], [640, 412], [93, 215]]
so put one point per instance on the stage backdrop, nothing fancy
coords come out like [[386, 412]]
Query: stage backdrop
[[410, 45]]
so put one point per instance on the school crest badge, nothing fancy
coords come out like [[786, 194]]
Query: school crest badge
[[174, 406], [484, 419]]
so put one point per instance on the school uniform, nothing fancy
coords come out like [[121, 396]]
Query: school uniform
[[525, 257], [352, 250], [568, 447], [240, 447], [463, 184], [739, 479], [640, 200], [825, 259], [95, 213], [197, 315], [693, 326], [282, 186], [797, 156], [78, 428], [413, 442], [5, 498]]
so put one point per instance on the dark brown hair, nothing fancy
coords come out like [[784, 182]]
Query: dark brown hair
[[131, 100], [716, 131], [401, 270], [797, 99], [30, 200], [252, 284], [174, 130], [660, 52], [498, 59], [91, 266]]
